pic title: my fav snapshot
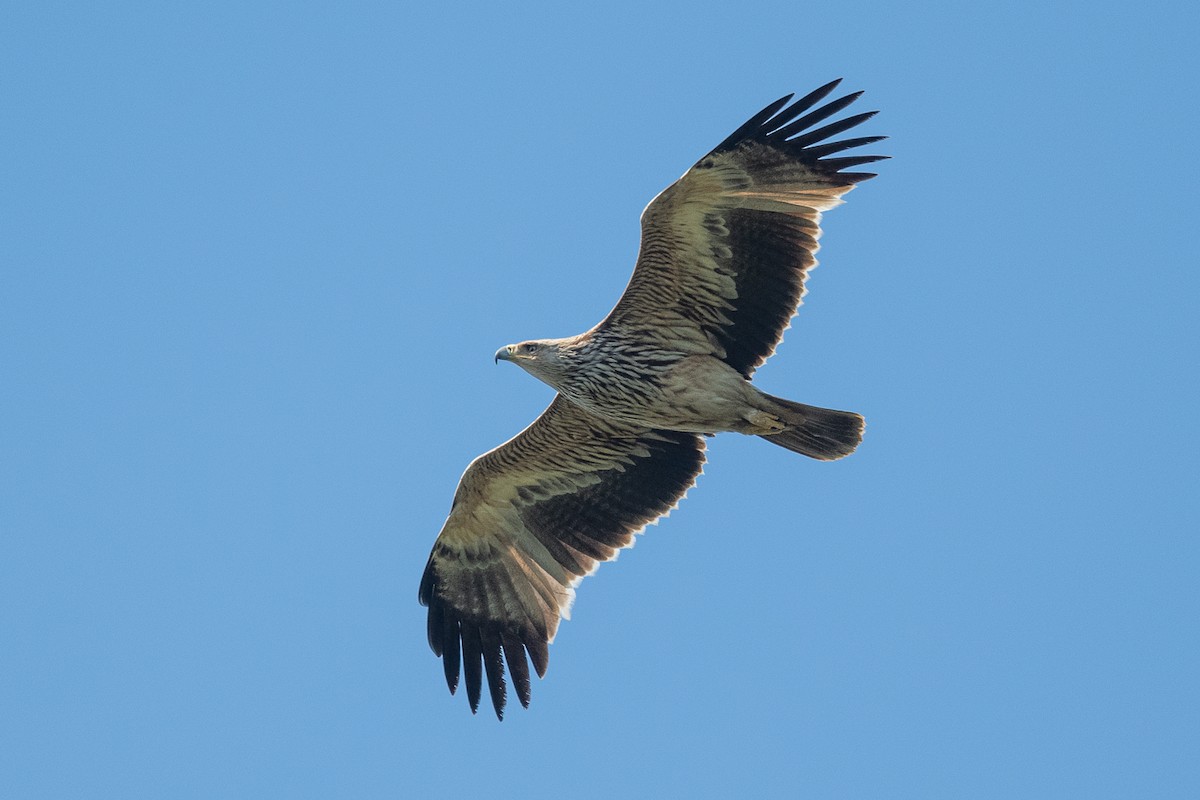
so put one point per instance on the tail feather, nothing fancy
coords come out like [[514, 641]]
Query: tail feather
[[820, 433]]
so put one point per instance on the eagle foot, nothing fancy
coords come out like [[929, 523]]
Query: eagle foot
[[764, 424]]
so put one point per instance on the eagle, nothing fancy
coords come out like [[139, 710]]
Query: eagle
[[724, 254]]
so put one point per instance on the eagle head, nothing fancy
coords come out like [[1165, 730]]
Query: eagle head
[[544, 359]]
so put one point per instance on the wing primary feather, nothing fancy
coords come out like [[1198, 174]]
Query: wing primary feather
[[856, 177], [435, 628], [493, 664], [821, 150], [851, 161], [813, 117], [539, 654], [832, 129], [450, 653], [752, 125], [803, 104], [778, 123], [518, 667], [472, 674], [428, 580]]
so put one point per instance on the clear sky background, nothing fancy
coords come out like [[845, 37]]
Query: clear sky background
[[255, 260]]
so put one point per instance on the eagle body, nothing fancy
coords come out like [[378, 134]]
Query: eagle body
[[725, 253], [645, 385]]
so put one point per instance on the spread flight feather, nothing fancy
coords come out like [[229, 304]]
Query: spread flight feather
[[724, 255]]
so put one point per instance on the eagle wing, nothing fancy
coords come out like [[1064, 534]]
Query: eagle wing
[[530, 519], [726, 248]]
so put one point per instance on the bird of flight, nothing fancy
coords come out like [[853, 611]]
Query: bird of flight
[[725, 251]]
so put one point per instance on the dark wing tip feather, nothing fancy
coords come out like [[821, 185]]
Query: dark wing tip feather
[[857, 177], [775, 115], [472, 658], [822, 150], [851, 161], [832, 129], [752, 125], [817, 95], [493, 665], [539, 654], [794, 126], [481, 642], [428, 581], [790, 130], [450, 654], [518, 667]]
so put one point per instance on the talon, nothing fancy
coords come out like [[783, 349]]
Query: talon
[[764, 423]]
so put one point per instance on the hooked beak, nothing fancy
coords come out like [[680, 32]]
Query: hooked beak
[[504, 354]]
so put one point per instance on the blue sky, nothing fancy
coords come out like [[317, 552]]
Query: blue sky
[[255, 260]]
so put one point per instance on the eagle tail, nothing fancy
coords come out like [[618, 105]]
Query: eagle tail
[[820, 433]]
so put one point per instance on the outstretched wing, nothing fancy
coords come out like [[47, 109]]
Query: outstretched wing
[[530, 519], [726, 248]]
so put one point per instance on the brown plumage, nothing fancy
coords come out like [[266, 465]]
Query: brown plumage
[[725, 252]]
